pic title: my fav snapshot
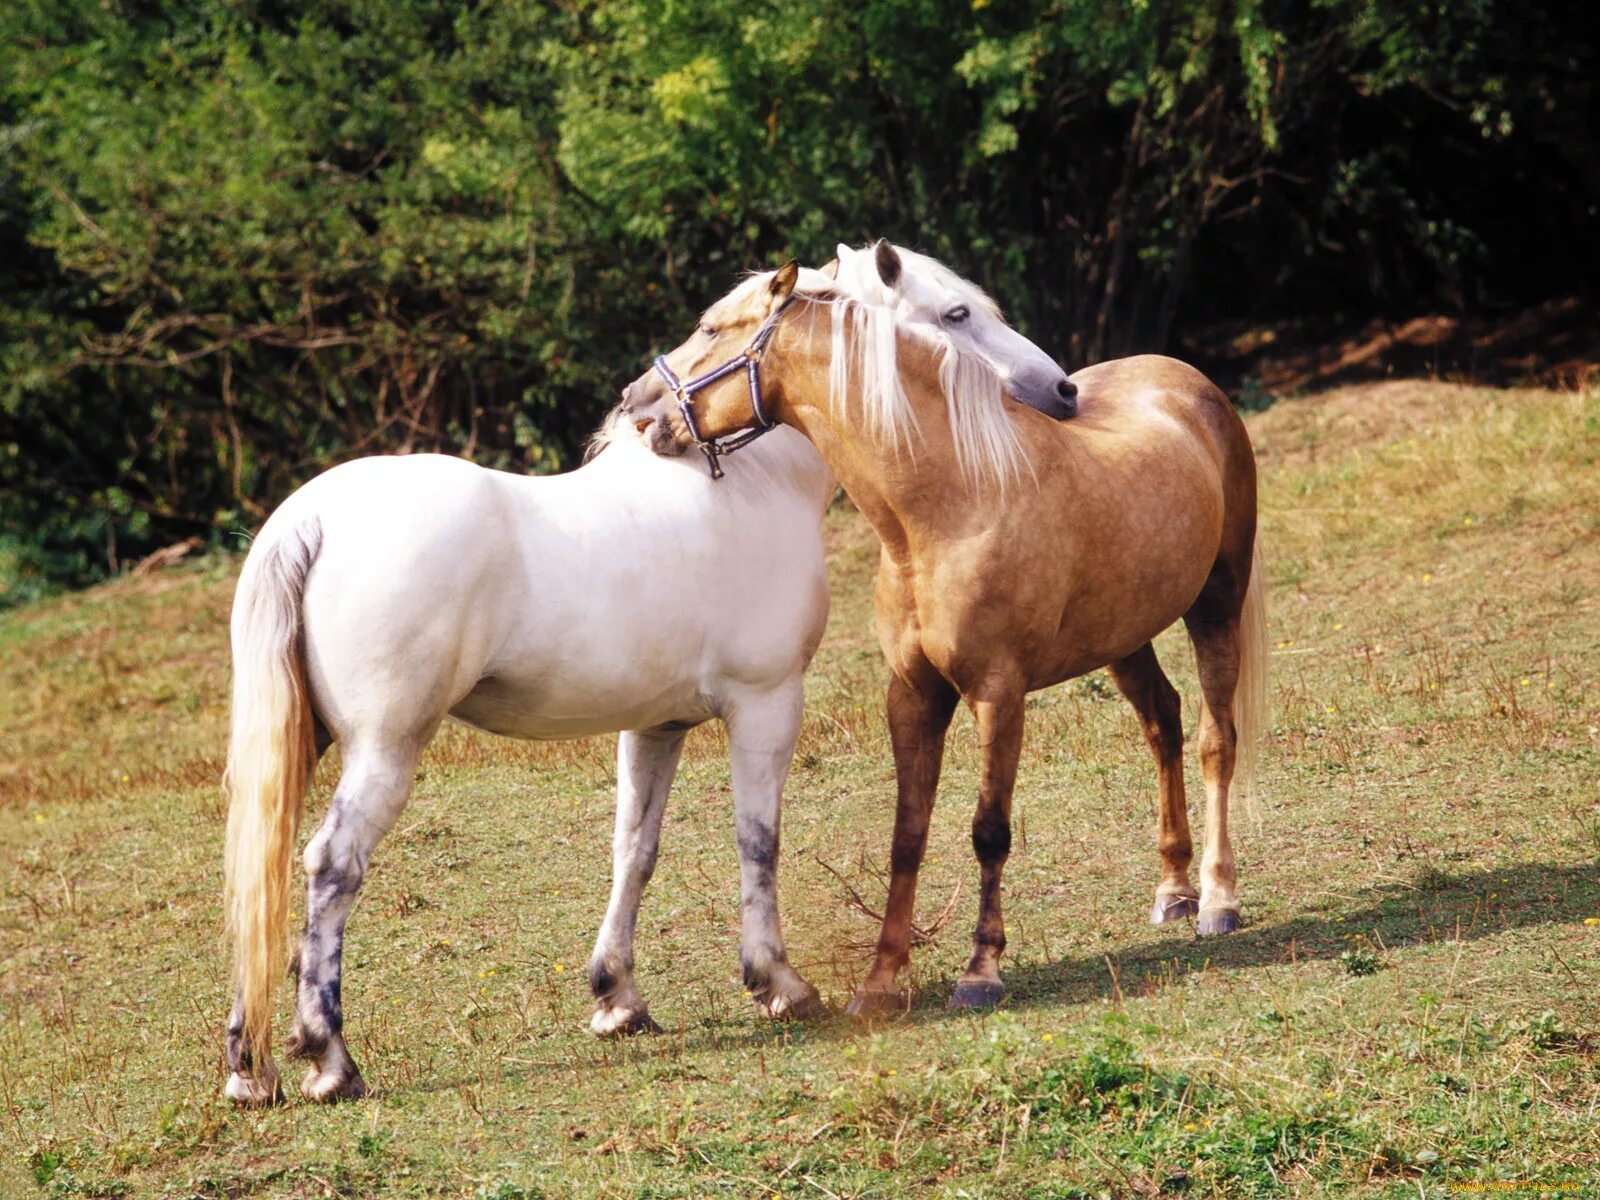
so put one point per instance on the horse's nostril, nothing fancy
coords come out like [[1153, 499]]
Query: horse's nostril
[[1066, 389]]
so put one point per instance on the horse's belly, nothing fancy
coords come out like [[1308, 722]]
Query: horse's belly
[[555, 709]]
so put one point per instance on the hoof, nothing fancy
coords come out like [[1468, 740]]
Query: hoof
[[1217, 920], [247, 1092], [977, 993], [621, 1022], [1174, 908], [804, 1006], [331, 1087], [869, 1003]]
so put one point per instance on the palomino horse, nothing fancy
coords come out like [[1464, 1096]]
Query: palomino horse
[[1016, 552], [632, 594]]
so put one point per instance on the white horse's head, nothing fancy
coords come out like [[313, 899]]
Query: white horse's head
[[928, 297]]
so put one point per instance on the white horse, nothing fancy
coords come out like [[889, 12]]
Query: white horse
[[636, 593]]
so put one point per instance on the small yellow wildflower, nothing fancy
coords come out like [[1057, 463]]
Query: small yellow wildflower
[[1047, 1037], [560, 967], [1338, 625], [1468, 521], [1591, 920], [1427, 577], [1525, 682], [1433, 687]]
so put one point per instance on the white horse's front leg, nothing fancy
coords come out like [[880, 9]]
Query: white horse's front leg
[[646, 763], [761, 734]]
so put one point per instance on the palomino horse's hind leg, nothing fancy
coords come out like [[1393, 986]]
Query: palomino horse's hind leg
[[1141, 680], [646, 763], [919, 715], [1000, 735], [762, 729], [372, 791], [1216, 649]]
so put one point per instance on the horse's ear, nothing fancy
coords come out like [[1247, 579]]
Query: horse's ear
[[830, 269], [888, 260], [783, 281]]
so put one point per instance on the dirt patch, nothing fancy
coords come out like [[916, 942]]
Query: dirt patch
[[1556, 343]]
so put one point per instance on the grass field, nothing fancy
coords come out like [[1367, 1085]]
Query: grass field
[[1411, 1006]]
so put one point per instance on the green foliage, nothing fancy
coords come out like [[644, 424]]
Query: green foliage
[[1359, 961], [246, 241]]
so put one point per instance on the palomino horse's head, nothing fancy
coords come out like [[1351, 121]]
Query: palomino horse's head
[[683, 399], [714, 384]]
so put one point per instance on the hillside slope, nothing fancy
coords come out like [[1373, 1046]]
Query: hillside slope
[[1411, 1003]]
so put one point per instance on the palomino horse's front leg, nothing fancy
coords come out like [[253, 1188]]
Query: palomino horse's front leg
[[646, 763], [919, 715], [1000, 736], [762, 729], [1141, 680], [1216, 652], [373, 790]]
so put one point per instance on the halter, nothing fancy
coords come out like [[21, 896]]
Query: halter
[[750, 360]]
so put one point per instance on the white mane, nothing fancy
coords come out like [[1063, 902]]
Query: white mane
[[866, 320]]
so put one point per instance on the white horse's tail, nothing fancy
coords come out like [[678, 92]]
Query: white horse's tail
[[271, 755], [1250, 696]]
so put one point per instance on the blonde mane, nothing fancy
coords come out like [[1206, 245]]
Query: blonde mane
[[864, 365]]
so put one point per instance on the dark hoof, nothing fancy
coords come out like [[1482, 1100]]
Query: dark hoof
[[1218, 920], [977, 993], [866, 1005], [1173, 908]]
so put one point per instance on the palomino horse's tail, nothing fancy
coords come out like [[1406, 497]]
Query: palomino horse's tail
[[1250, 697], [271, 755]]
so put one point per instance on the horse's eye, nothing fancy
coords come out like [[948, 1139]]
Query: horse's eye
[[709, 330], [957, 314]]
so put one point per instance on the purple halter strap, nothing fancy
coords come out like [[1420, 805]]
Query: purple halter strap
[[749, 359]]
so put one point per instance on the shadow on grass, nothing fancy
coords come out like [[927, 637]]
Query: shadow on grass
[[1439, 908]]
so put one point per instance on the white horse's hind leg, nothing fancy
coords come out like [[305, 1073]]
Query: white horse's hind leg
[[761, 734], [252, 1088], [646, 762], [372, 791]]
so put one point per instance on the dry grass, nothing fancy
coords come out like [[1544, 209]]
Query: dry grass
[[1411, 1003]]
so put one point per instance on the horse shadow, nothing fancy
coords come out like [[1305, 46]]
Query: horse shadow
[[1437, 908]]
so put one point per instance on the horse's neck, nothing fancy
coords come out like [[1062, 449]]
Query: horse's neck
[[906, 492]]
